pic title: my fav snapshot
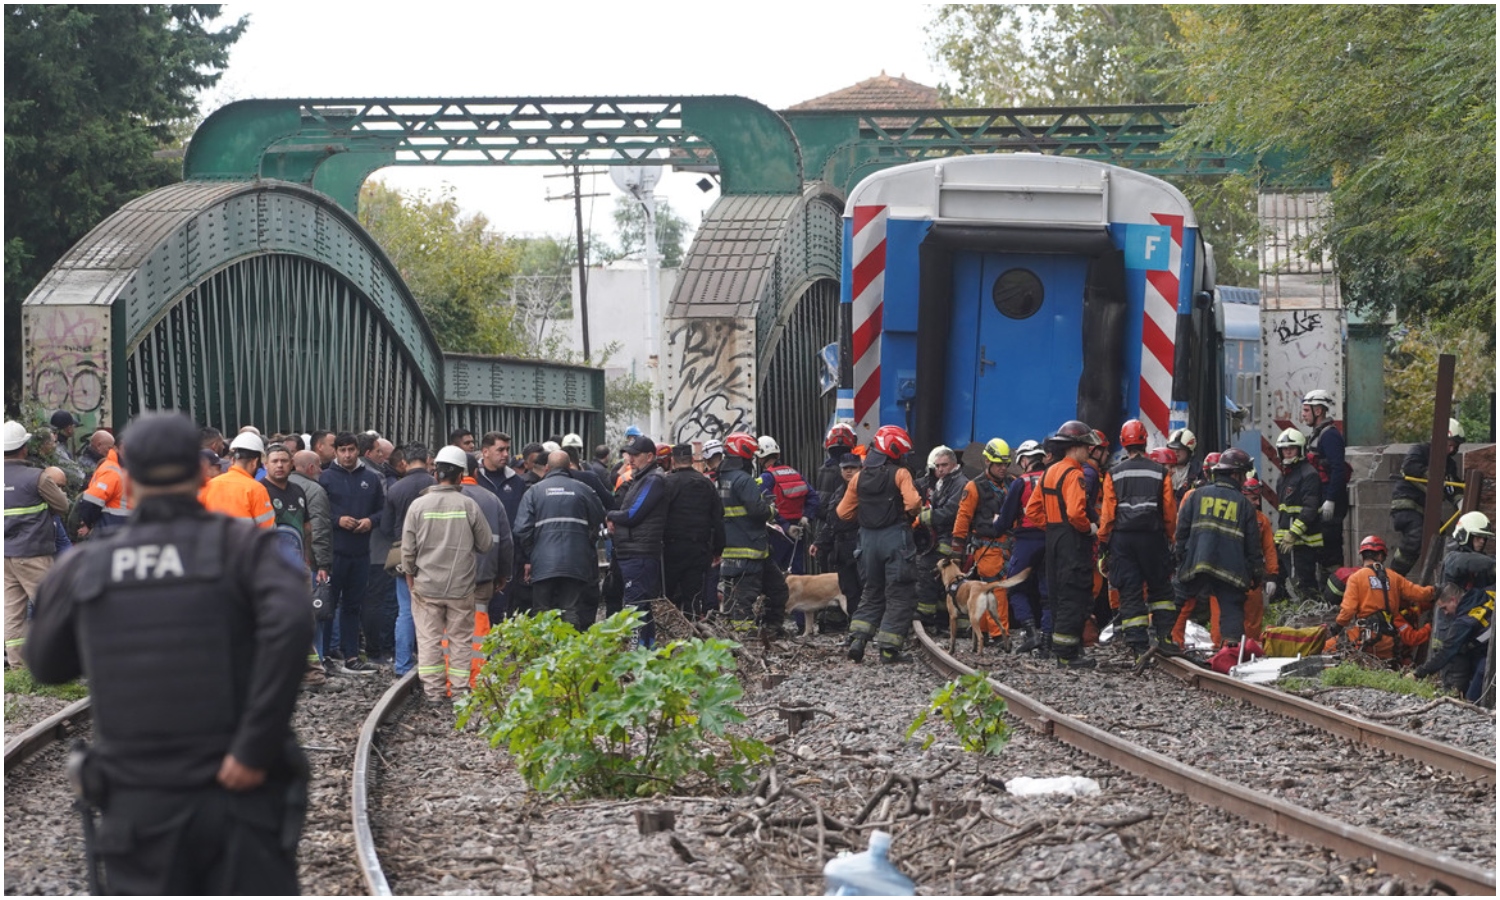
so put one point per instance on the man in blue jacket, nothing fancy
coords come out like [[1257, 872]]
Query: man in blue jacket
[[356, 494], [637, 528], [557, 525]]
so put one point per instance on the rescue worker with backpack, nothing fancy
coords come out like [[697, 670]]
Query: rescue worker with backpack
[[1137, 515], [1062, 503], [1409, 497], [1299, 533], [1027, 598], [795, 502], [939, 516], [884, 500], [747, 570], [1218, 544], [1325, 450], [976, 521], [1468, 597], [1380, 608]]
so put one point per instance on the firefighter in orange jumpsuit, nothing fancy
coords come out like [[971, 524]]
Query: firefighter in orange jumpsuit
[[1379, 608], [236, 493], [1062, 503]]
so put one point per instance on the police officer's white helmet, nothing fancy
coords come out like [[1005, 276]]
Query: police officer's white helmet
[[453, 456], [248, 441], [1474, 524], [768, 447], [14, 435], [572, 440]]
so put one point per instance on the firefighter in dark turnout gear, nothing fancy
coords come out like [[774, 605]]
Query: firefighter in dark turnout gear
[[1028, 609], [1137, 518], [1299, 534], [694, 537], [1468, 598], [838, 540], [747, 570], [1325, 450], [1409, 497], [192, 629], [1218, 542], [938, 515], [884, 500], [1062, 504]]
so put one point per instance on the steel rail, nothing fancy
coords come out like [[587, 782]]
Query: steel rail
[[364, 840], [46, 732], [1382, 737], [1391, 856]]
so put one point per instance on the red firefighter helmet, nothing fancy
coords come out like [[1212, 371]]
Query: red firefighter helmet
[[1133, 434], [1164, 455], [1210, 460], [741, 445], [840, 435], [893, 441], [1372, 544]]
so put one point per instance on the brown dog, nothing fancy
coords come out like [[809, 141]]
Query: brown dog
[[979, 599], [809, 593]]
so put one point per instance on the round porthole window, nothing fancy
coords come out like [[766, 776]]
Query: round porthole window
[[1018, 294]]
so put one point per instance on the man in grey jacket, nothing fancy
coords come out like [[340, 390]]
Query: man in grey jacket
[[306, 467], [557, 525], [440, 539]]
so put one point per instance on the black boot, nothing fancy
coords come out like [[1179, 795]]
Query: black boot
[[1030, 639], [892, 656], [1076, 661], [857, 647], [1044, 648]]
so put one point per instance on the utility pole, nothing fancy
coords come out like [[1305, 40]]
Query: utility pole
[[583, 272]]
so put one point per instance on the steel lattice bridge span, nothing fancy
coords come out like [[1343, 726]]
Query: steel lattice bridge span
[[250, 293]]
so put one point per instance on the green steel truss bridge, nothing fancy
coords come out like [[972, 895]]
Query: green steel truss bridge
[[249, 292]]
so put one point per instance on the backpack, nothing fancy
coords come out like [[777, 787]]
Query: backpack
[[789, 489]]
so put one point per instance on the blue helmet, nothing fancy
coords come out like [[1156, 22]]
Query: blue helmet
[[632, 431]]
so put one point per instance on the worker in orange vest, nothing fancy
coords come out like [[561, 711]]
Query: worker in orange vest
[[236, 493]]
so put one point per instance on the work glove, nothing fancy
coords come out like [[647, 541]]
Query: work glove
[[945, 548], [1284, 541], [1270, 591], [1326, 510], [925, 518], [1093, 529], [795, 532]]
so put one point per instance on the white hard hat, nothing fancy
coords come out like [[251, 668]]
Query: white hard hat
[[453, 456], [1183, 438], [551, 446], [1455, 431], [1318, 397], [768, 446], [713, 447], [572, 440], [1473, 524], [15, 435], [939, 450], [250, 441], [1291, 438]]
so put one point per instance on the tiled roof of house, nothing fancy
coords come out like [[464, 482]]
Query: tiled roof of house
[[881, 92]]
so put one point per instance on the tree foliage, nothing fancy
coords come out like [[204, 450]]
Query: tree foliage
[[91, 92], [1397, 105], [459, 274], [1411, 377], [1093, 55], [630, 225]]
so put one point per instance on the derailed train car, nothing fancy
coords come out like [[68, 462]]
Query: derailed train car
[[999, 295]]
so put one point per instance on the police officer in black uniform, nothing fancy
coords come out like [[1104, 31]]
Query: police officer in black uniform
[[192, 629]]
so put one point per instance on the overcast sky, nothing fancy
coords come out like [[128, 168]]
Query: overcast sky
[[776, 53]]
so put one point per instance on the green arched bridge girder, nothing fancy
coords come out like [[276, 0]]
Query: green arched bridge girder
[[841, 147], [333, 144]]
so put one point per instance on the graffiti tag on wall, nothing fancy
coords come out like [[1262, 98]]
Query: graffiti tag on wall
[[712, 391], [1302, 350], [68, 357]]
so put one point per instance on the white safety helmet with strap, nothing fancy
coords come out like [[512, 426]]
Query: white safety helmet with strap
[[1455, 431], [1318, 397], [248, 441], [768, 447], [937, 453], [1472, 525], [453, 456], [1292, 438], [1184, 439], [14, 435]]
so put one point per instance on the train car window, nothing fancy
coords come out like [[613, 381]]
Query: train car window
[[1018, 294]]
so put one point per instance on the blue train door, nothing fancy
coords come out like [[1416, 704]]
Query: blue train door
[[1017, 344]]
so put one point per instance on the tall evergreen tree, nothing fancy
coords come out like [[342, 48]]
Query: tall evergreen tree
[[91, 93]]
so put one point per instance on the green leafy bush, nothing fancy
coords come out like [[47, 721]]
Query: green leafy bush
[[975, 711], [19, 681], [586, 715]]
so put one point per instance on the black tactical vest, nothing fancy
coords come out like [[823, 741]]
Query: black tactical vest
[[879, 497], [1138, 494]]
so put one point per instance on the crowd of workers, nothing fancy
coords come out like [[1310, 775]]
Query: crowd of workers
[[340, 554]]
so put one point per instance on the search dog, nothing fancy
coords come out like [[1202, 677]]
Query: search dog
[[809, 593], [977, 598]]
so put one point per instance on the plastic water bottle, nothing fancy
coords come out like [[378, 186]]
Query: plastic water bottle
[[868, 874]]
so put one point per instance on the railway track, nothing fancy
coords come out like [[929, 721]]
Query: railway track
[[354, 843], [1253, 804]]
